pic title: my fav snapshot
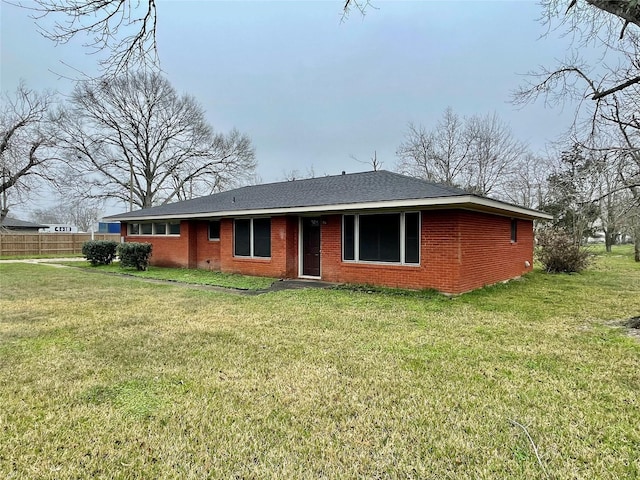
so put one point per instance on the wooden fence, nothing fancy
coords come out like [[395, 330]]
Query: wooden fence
[[13, 244]]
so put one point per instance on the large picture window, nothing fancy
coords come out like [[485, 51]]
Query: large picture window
[[252, 237], [379, 238], [385, 237]]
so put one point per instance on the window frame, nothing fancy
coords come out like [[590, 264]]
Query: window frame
[[252, 238], [402, 238], [138, 227], [514, 230], [213, 238]]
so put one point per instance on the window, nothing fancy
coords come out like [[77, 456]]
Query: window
[[349, 237], [214, 230], [252, 237], [159, 228], [174, 228], [385, 237], [379, 238], [242, 231], [514, 230], [155, 228], [412, 237], [261, 237]]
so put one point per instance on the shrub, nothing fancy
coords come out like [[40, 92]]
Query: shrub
[[558, 253], [134, 255], [99, 252]]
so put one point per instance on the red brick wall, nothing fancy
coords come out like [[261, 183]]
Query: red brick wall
[[276, 266], [207, 251], [292, 247], [488, 255], [439, 258], [193, 249], [459, 251], [168, 250]]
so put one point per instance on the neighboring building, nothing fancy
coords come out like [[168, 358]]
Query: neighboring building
[[20, 226], [377, 228], [59, 228]]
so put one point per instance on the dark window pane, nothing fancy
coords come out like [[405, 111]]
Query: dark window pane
[[160, 228], [348, 237], [412, 237], [380, 238], [261, 237], [242, 238], [214, 230], [174, 229], [134, 228], [514, 230], [146, 228]]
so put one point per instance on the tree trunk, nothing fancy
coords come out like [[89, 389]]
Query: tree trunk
[[609, 239]]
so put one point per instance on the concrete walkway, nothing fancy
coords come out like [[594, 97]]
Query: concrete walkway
[[277, 286]]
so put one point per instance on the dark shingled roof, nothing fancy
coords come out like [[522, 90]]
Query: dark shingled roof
[[9, 222], [351, 188]]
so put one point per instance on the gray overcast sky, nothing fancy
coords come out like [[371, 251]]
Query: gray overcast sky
[[311, 90]]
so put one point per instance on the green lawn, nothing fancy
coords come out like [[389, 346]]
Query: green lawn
[[184, 275], [109, 377]]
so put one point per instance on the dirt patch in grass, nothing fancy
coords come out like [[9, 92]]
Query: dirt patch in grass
[[633, 322], [633, 326]]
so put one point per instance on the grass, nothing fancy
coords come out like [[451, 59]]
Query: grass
[[39, 256], [184, 275], [107, 377]]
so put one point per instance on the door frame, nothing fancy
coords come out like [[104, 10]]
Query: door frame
[[301, 247]]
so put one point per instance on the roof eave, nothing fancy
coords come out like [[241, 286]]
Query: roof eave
[[470, 202]]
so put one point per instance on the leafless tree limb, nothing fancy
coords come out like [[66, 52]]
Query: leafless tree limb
[[28, 128], [124, 29], [136, 139]]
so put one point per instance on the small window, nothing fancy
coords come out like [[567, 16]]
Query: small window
[[159, 228], [348, 237], [134, 229], [214, 230], [242, 238], [412, 237], [174, 229], [146, 228], [514, 230], [261, 237]]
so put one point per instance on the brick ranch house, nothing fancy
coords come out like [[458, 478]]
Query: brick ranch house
[[377, 228]]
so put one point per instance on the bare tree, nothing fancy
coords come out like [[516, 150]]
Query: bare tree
[[476, 153], [27, 136], [135, 139], [493, 155], [607, 91], [438, 155], [373, 162], [81, 213], [123, 29], [527, 185], [295, 174]]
